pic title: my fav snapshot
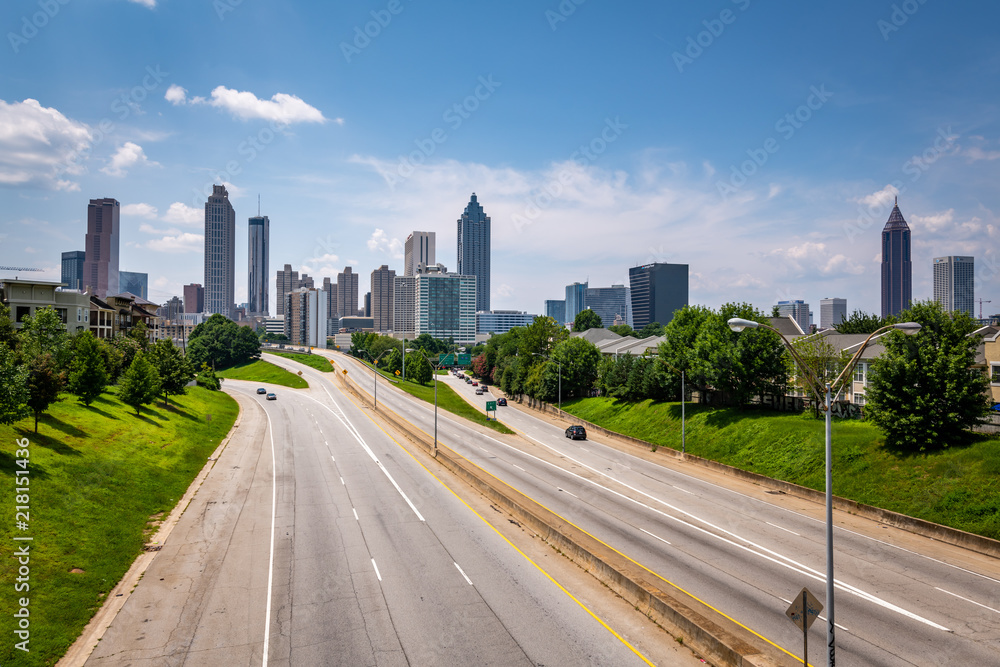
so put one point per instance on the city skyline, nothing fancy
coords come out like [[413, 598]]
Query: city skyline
[[778, 197]]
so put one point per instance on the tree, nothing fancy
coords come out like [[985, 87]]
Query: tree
[[174, 369], [44, 333], [418, 369], [823, 361], [121, 350], [922, 391], [206, 378], [678, 351], [651, 329], [13, 388], [587, 319], [45, 381], [140, 334], [8, 334], [623, 330], [140, 384], [481, 369], [579, 358], [88, 375], [221, 343], [862, 323]]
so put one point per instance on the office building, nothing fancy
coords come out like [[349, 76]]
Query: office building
[[194, 298], [832, 312], [576, 300], [897, 272], [133, 283], [100, 267], [404, 303], [173, 309], [556, 309], [501, 321], [366, 309], [382, 301], [418, 249], [306, 317], [474, 250], [347, 292], [330, 288], [445, 305], [609, 303], [798, 310], [286, 281], [220, 253], [658, 290], [259, 241], [954, 283], [72, 269]]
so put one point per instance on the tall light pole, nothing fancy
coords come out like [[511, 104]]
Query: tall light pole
[[435, 377], [558, 363], [738, 324], [375, 371]]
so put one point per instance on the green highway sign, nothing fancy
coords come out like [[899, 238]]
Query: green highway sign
[[491, 406], [449, 359]]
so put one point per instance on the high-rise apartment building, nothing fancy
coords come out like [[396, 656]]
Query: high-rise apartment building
[[798, 310], [72, 269], [954, 283], [133, 283], [556, 309], [194, 298], [609, 303], [576, 301], [100, 268], [286, 281], [832, 312], [418, 249], [220, 253], [306, 317], [474, 250], [897, 271], [259, 241], [446, 305], [658, 290], [347, 292], [382, 300], [330, 288], [404, 303]]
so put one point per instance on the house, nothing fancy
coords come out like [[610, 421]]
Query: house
[[24, 297]]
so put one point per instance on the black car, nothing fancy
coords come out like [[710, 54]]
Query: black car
[[272, 397], [261, 390], [576, 433], [501, 401]]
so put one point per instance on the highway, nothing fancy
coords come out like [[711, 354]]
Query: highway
[[318, 540], [901, 599]]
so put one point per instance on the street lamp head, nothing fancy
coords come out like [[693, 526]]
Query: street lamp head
[[738, 324], [410, 349], [907, 326]]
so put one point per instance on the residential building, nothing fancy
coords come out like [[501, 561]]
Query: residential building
[[194, 298], [286, 281], [120, 313], [832, 312], [24, 297], [501, 321], [418, 249], [306, 317], [134, 283], [72, 269], [220, 253], [347, 292], [556, 309], [474, 250], [404, 303], [897, 271], [382, 300], [100, 267], [954, 283], [658, 291], [609, 303], [446, 305], [798, 310], [576, 300], [259, 238]]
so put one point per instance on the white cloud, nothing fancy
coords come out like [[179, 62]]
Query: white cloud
[[178, 243], [127, 156], [505, 290], [976, 153], [380, 242], [145, 3], [880, 198], [183, 214], [281, 108], [176, 95], [935, 222], [139, 211], [810, 257], [39, 145]]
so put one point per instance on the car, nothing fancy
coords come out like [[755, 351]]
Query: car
[[501, 401], [479, 391], [272, 397], [261, 390], [475, 384], [468, 380], [576, 432]]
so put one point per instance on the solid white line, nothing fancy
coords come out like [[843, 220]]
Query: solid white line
[[780, 528], [270, 564], [656, 536], [565, 491], [333, 459], [342, 481], [464, 574], [684, 490], [377, 573], [519, 467], [355, 514], [967, 600]]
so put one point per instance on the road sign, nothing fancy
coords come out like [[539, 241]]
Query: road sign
[[491, 406], [455, 360], [802, 612]]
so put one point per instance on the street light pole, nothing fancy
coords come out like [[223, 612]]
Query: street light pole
[[435, 377], [738, 324]]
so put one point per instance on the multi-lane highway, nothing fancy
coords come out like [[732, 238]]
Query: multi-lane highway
[[901, 599], [318, 540]]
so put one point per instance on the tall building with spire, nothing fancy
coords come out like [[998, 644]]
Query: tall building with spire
[[474, 250], [220, 253], [897, 271], [259, 235]]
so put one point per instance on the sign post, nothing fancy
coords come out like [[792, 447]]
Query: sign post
[[491, 406], [802, 612]]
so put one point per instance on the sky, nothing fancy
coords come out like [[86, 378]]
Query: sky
[[760, 143]]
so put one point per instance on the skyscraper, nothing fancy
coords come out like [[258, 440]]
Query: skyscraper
[[474, 250], [832, 312], [100, 268], [72, 268], [658, 290], [445, 305], [576, 300], [259, 235], [897, 272], [419, 249], [194, 298], [286, 281], [954, 283], [134, 283], [609, 302], [404, 303], [798, 310], [556, 309], [330, 288], [383, 279], [347, 292], [220, 253]]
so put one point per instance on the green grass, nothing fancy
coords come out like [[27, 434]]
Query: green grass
[[316, 361], [448, 400], [263, 371], [957, 487], [97, 476]]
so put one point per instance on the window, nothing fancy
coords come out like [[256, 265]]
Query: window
[[859, 372], [995, 373], [22, 312]]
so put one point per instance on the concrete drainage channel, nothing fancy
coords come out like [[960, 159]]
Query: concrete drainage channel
[[706, 631]]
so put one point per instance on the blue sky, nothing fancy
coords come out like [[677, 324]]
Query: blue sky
[[760, 143]]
